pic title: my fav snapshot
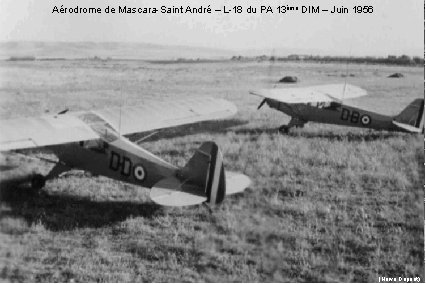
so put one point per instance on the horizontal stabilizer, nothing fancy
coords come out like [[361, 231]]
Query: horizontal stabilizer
[[173, 192], [203, 179], [407, 127], [236, 182]]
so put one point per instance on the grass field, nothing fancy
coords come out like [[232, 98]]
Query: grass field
[[327, 203]]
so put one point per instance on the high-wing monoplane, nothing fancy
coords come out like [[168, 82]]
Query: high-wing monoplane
[[94, 141], [326, 104]]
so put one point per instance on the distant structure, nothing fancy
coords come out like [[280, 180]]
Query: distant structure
[[22, 58], [289, 79], [404, 60], [396, 75], [347, 75]]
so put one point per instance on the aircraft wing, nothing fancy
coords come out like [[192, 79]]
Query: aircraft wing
[[321, 93], [21, 133], [157, 115]]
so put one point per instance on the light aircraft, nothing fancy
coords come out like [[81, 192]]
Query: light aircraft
[[94, 141], [325, 104]]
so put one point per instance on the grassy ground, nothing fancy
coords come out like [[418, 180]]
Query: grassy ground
[[327, 203]]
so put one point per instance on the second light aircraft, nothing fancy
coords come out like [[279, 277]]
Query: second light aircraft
[[325, 104]]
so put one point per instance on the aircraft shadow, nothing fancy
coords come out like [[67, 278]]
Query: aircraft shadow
[[420, 156], [331, 135], [65, 212], [216, 126]]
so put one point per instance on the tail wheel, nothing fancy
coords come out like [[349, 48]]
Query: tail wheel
[[283, 129], [38, 181]]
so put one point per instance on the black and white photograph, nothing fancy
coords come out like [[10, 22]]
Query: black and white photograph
[[212, 141]]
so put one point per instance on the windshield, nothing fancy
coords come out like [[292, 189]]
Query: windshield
[[100, 126]]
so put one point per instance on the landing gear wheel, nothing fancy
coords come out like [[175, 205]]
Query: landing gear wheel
[[283, 129], [38, 181]]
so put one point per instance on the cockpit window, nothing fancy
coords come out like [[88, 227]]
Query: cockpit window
[[100, 126], [319, 104], [325, 105]]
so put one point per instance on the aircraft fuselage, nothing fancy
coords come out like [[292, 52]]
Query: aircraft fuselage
[[335, 114], [121, 160]]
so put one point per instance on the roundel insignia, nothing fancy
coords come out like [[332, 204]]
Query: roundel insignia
[[365, 119], [139, 172]]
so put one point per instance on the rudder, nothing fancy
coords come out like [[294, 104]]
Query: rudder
[[205, 169], [413, 114]]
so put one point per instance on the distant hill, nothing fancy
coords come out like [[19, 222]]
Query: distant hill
[[278, 51], [114, 50], [27, 50]]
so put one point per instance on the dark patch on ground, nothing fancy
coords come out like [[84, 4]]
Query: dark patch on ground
[[185, 61], [7, 167], [396, 75], [65, 212], [349, 136], [289, 79]]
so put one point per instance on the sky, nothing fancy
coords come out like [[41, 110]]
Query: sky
[[394, 27]]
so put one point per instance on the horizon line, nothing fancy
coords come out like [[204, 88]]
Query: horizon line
[[291, 50]]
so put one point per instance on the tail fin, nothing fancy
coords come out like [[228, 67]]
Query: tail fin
[[202, 179], [205, 169], [412, 115]]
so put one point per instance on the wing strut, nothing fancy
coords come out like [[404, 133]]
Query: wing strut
[[119, 119], [261, 104]]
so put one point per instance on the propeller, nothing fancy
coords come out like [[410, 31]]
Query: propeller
[[64, 111], [261, 104], [269, 75]]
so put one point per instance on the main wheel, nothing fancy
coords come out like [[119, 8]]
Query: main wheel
[[283, 129], [38, 181]]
